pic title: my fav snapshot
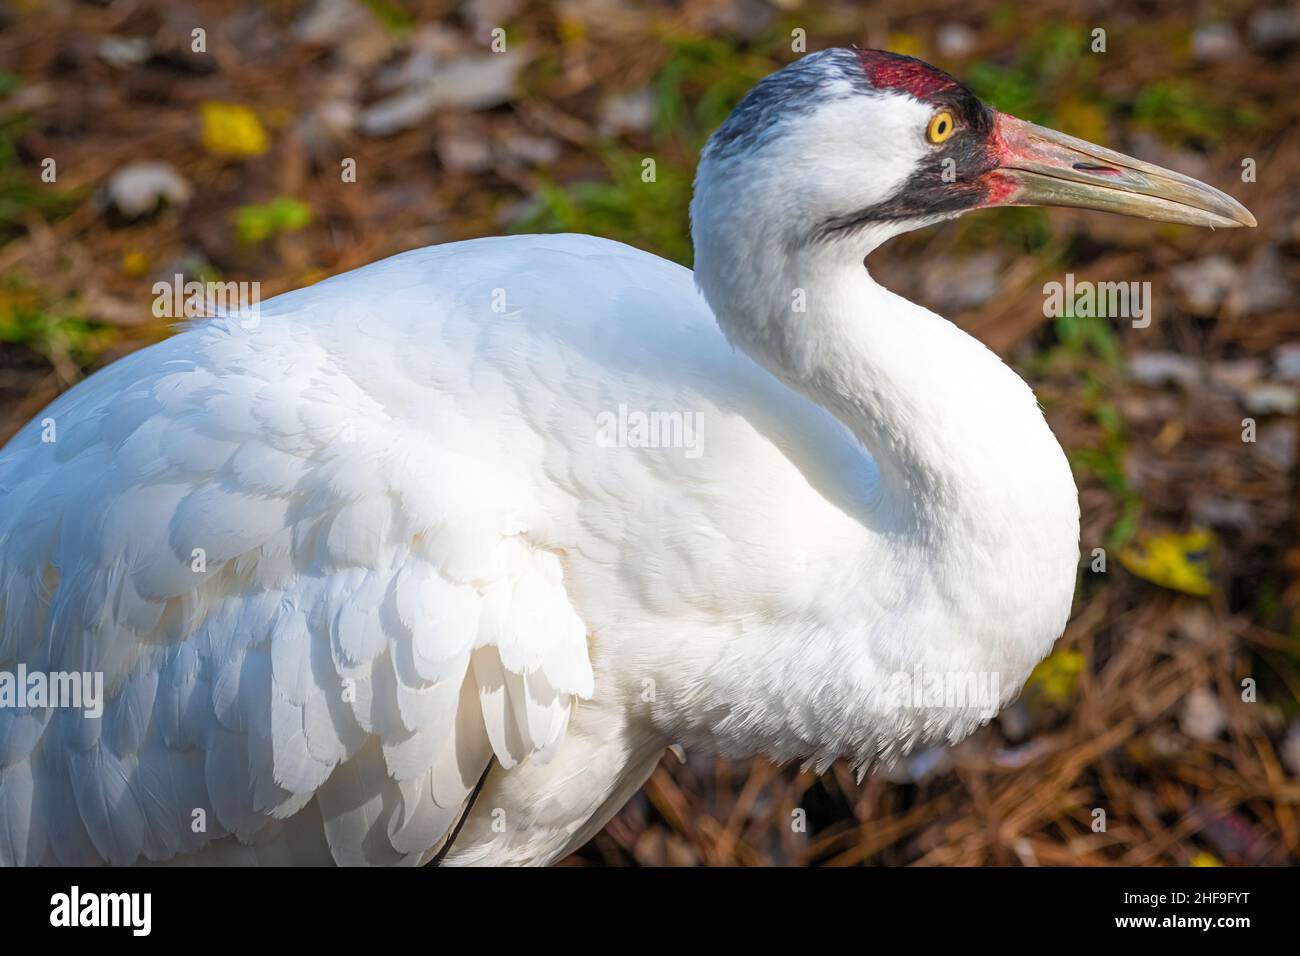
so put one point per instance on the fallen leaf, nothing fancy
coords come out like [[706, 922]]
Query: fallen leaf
[[230, 129], [137, 189], [256, 223], [1180, 562], [1055, 678]]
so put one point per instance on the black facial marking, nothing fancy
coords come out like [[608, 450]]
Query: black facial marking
[[965, 156]]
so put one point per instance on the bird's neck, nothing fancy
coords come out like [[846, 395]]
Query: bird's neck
[[956, 434], [968, 556]]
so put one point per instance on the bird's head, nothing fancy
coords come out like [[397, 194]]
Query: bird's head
[[845, 148]]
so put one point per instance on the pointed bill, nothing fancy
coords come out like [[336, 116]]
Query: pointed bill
[[1041, 167]]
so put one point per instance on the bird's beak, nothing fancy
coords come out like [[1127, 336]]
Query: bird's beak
[[1041, 167]]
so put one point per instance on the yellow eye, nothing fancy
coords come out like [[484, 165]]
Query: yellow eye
[[941, 127]]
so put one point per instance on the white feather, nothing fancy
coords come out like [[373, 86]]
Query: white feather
[[299, 532]]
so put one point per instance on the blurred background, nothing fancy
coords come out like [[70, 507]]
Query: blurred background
[[1165, 727]]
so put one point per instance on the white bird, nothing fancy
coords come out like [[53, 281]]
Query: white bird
[[407, 569]]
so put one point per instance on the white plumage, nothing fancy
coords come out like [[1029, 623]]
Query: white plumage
[[334, 561]]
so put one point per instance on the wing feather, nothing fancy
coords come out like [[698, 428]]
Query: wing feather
[[22, 817], [314, 592]]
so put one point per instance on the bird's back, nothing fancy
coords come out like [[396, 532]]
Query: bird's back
[[332, 555]]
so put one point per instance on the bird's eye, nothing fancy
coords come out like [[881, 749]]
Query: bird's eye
[[941, 127]]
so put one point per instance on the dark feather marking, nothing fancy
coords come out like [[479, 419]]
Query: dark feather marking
[[464, 815]]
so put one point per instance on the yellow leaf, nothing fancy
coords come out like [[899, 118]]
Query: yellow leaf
[[230, 129], [1055, 678], [1180, 562], [572, 30], [135, 263]]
